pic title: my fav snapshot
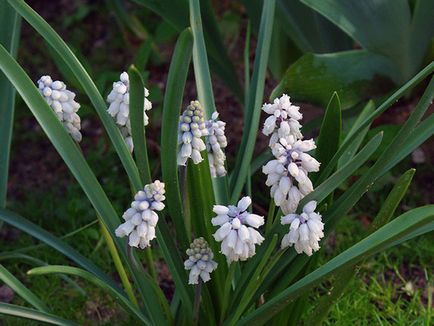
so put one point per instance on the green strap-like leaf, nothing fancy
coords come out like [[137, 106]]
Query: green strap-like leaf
[[204, 86], [10, 26], [394, 232], [78, 166], [22, 312], [137, 95], [128, 305], [169, 131], [254, 103], [20, 289], [330, 131]]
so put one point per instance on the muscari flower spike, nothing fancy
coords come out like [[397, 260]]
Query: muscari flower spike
[[119, 108], [141, 218], [63, 104], [283, 120], [288, 172], [215, 143], [191, 130], [305, 231], [200, 261], [237, 230]]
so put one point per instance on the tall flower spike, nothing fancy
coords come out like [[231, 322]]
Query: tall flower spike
[[215, 143], [288, 172], [200, 261], [63, 104], [119, 107], [306, 230], [141, 218], [191, 130], [283, 120], [237, 230]]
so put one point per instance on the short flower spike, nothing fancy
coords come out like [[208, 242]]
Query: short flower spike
[[200, 261], [237, 230], [141, 219], [63, 104], [119, 108]]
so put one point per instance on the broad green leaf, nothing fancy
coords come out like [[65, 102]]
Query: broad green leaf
[[95, 280], [384, 27], [254, 102], [330, 131], [22, 312], [20, 289], [10, 26], [204, 85], [169, 125], [335, 180], [64, 52], [377, 112], [176, 12], [393, 199], [394, 232], [137, 94], [354, 75], [78, 166], [310, 31]]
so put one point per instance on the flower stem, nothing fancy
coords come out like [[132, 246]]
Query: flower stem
[[118, 264], [197, 292]]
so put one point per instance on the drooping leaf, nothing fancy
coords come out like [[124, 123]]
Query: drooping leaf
[[353, 75]]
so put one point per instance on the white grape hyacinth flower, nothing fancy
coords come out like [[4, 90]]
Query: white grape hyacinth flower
[[119, 108], [63, 104], [216, 142], [141, 219], [191, 130], [305, 231], [287, 174], [200, 261], [283, 120], [237, 230]]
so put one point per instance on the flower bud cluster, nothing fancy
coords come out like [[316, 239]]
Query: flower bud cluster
[[237, 230], [63, 104], [141, 219], [305, 231], [191, 130], [200, 261], [119, 108], [216, 142], [283, 120]]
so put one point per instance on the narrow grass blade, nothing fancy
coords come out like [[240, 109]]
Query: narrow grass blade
[[330, 131], [169, 136], [382, 108], [137, 95], [396, 230], [204, 85], [336, 179], [254, 103], [78, 166], [128, 305], [393, 199], [64, 52], [39, 262], [357, 141], [10, 26], [20, 289], [22, 312]]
